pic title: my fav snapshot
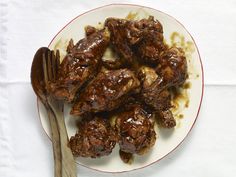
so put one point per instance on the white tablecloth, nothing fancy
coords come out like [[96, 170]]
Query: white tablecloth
[[209, 150]]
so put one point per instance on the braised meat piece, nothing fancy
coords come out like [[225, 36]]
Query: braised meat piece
[[151, 43], [135, 129], [165, 119], [162, 101], [155, 94], [153, 91], [173, 66], [80, 65], [137, 39], [106, 92], [95, 138], [119, 42]]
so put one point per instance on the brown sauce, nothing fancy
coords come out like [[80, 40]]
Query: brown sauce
[[178, 40], [180, 95], [187, 85], [131, 15], [180, 100], [180, 116]]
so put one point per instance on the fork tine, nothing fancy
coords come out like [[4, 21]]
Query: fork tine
[[49, 66], [53, 62], [45, 73], [57, 62]]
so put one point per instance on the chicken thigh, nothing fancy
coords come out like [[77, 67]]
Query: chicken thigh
[[135, 129], [81, 64], [106, 92], [95, 138]]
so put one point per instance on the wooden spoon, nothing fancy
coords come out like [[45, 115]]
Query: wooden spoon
[[64, 164]]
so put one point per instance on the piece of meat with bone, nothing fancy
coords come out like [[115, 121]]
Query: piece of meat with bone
[[81, 64], [153, 91], [137, 40], [151, 44], [106, 92], [135, 129], [165, 119], [155, 94], [173, 67], [95, 138]]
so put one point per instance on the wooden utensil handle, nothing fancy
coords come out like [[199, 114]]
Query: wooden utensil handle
[[56, 144], [68, 162], [67, 159]]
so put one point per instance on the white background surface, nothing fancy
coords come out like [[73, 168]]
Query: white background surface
[[209, 150]]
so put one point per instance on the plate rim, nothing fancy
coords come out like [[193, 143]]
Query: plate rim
[[202, 78]]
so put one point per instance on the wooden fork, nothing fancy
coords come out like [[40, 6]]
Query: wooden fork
[[64, 164]]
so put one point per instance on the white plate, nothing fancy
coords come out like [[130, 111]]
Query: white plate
[[167, 140]]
